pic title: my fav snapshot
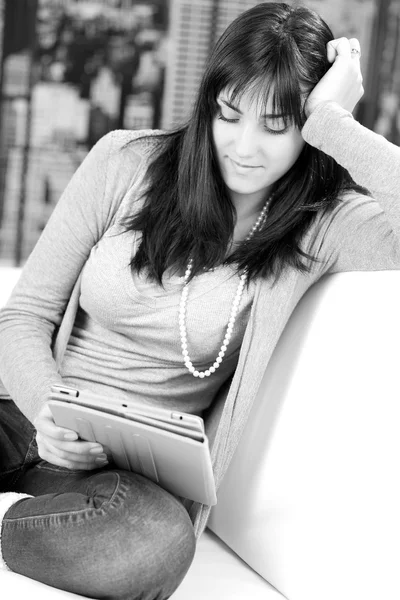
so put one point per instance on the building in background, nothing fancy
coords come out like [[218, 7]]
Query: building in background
[[71, 70], [381, 108], [195, 26]]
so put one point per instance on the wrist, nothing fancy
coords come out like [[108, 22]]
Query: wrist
[[311, 105], [320, 106]]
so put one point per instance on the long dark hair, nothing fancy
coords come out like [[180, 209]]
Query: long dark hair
[[187, 210]]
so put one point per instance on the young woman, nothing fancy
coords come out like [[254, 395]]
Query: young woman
[[194, 248]]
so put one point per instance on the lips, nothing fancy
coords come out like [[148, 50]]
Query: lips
[[242, 165], [241, 169]]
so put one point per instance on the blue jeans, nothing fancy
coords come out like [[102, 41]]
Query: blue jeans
[[105, 534]]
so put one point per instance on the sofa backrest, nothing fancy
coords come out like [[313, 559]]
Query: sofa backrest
[[8, 278], [311, 498]]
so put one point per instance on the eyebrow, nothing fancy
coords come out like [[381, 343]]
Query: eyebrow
[[237, 109]]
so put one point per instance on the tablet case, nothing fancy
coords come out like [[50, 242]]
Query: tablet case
[[177, 463], [128, 407]]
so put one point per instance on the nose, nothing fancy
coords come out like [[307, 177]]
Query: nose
[[245, 143]]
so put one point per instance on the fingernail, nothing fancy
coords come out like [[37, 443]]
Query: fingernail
[[96, 450], [102, 459], [70, 436]]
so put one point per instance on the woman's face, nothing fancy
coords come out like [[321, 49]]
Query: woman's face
[[254, 150]]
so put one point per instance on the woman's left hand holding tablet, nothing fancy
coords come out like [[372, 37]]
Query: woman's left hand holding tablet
[[61, 447], [343, 81]]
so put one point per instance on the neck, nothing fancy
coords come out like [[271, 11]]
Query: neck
[[247, 214], [249, 206]]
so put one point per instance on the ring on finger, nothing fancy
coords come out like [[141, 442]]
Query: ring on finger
[[355, 52]]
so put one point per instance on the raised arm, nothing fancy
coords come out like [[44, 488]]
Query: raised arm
[[371, 159]]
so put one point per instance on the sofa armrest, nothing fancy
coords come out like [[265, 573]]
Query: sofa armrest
[[311, 498]]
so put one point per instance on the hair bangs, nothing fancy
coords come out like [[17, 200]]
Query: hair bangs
[[273, 86], [286, 94]]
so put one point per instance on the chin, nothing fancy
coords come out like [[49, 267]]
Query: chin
[[244, 190]]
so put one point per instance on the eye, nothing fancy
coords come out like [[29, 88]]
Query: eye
[[275, 131], [232, 118], [275, 125]]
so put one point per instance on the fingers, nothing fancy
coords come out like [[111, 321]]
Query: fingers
[[338, 47], [54, 447], [58, 453], [342, 83], [347, 48], [80, 447], [46, 425]]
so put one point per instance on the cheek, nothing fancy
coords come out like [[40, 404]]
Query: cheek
[[216, 133], [288, 150], [297, 143], [221, 135]]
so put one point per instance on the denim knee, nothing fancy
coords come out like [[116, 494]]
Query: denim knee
[[113, 535]]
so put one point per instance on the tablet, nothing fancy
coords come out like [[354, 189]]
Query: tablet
[[179, 461], [126, 406]]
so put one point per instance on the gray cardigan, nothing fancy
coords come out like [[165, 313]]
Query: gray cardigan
[[361, 234]]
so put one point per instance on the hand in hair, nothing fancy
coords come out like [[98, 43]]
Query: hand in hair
[[343, 81]]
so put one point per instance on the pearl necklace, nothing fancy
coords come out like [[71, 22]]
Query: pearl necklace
[[234, 309]]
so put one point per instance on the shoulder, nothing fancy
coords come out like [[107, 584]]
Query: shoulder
[[353, 207], [125, 154], [356, 221], [128, 155], [350, 211], [141, 142]]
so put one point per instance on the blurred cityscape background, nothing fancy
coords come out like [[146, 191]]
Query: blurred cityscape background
[[72, 70]]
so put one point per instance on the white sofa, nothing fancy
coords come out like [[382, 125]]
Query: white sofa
[[310, 506]]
